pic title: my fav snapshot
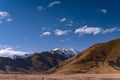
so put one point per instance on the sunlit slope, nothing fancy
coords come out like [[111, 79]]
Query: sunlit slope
[[99, 58]]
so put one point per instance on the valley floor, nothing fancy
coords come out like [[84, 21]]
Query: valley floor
[[60, 77]]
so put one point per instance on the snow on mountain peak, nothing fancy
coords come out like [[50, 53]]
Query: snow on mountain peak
[[69, 52]]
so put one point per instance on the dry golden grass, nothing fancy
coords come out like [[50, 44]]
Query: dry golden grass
[[60, 77], [99, 58]]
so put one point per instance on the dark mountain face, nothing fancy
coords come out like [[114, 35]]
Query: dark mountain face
[[99, 58], [37, 62], [5, 61]]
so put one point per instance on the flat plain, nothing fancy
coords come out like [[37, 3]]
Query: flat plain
[[60, 77]]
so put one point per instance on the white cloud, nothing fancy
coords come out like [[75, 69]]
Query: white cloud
[[9, 52], [39, 7], [63, 19], [94, 30], [110, 30], [88, 30], [54, 3], [45, 34], [4, 16], [61, 32], [104, 11]]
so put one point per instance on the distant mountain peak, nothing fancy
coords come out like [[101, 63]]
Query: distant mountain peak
[[68, 52], [72, 49]]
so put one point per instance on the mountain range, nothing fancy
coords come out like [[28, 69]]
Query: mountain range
[[35, 62], [99, 58]]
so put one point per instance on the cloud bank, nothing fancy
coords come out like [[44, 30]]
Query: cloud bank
[[9, 52]]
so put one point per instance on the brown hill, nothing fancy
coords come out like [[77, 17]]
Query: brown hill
[[36, 63], [99, 58]]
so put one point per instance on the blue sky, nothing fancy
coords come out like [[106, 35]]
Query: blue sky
[[40, 25]]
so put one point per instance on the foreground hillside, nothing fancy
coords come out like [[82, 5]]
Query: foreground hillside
[[99, 58]]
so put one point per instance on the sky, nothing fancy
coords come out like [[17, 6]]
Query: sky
[[42, 25]]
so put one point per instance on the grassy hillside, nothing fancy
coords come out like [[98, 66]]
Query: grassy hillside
[[99, 58]]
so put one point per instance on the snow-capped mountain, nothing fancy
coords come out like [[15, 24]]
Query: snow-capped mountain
[[70, 52], [66, 53]]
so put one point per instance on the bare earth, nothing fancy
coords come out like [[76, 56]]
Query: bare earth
[[60, 77]]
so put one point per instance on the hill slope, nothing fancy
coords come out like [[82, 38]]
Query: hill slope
[[99, 58]]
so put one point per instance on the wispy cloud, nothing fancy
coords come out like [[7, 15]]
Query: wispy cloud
[[65, 40], [104, 11], [5, 16], [1, 21], [9, 19], [54, 3], [110, 30], [94, 30], [63, 19], [68, 39], [69, 24], [43, 28], [67, 21], [45, 34], [46, 28], [39, 7], [59, 32], [62, 40]]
